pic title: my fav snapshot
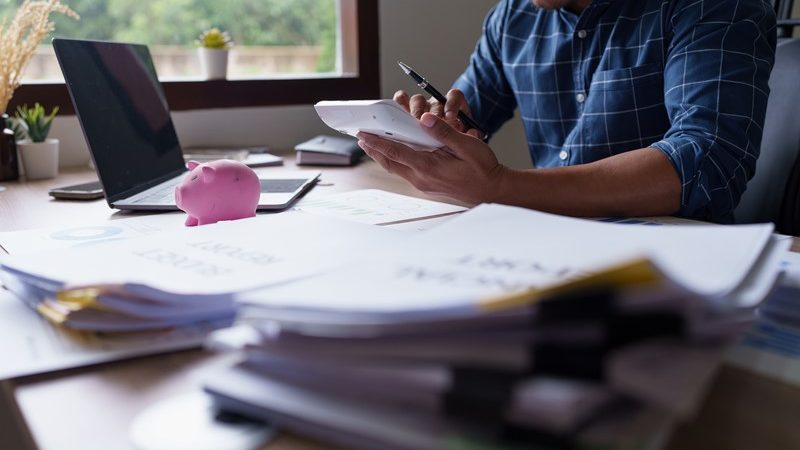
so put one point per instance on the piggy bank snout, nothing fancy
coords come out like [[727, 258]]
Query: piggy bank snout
[[184, 195]]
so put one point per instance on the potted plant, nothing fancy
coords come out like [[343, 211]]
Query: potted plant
[[19, 39], [213, 47], [38, 154]]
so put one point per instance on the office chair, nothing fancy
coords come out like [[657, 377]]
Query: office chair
[[773, 194]]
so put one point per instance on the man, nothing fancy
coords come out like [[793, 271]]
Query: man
[[630, 107]]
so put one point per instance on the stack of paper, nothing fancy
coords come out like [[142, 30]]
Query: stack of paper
[[783, 305], [502, 327], [183, 276], [32, 343], [772, 346]]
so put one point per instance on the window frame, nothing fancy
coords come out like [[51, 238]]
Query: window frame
[[240, 93]]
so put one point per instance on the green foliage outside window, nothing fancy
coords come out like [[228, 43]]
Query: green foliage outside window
[[178, 22]]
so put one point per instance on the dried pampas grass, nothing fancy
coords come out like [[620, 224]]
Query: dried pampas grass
[[20, 38]]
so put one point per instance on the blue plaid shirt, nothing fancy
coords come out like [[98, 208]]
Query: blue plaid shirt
[[686, 77]]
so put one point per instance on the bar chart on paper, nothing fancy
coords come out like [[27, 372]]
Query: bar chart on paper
[[376, 207]]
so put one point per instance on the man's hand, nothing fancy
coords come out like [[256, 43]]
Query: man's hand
[[465, 169], [418, 105], [640, 182]]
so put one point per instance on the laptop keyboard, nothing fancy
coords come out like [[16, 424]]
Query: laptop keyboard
[[281, 186], [163, 194]]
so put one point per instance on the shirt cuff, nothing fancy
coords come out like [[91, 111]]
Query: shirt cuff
[[694, 200]]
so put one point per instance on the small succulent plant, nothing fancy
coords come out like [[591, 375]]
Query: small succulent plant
[[15, 126], [215, 38], [34, 122]]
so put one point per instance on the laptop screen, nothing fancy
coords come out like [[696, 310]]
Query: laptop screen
[[123, 112]]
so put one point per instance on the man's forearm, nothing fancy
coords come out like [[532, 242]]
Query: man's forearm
[[637, 183]]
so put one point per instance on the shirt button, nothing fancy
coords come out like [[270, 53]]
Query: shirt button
[[582, 34], [580, 97], [563, 155]]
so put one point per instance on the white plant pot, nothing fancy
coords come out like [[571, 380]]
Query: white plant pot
[[39, 159], [214, 62]]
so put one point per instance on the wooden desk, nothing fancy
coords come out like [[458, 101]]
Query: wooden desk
[[91, 408]]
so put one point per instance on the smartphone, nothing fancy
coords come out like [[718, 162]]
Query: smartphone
[[84, 191]]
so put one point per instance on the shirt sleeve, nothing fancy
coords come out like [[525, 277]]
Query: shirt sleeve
[[716, 77], [484, 83]]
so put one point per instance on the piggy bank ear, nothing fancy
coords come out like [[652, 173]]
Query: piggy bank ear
[[192, 164], [208, 174]]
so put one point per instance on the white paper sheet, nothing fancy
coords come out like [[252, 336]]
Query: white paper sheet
[[790, 264], [30, 344], [213, 259], [496, 249], [422, 224], [53, 238], [770, 349], [375, 207]]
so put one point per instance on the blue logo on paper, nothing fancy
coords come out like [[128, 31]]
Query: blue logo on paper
[[86, 233]]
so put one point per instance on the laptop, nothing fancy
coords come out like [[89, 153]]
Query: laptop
[[125, 119]]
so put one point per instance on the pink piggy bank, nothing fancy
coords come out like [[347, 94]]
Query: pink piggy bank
[[218, 190]]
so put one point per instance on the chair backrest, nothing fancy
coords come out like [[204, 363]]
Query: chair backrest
[[764, 197]]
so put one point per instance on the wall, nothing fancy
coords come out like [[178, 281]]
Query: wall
[[431, 35], [440, 49]]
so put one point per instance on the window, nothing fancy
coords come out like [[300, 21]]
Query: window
[[286, 52]]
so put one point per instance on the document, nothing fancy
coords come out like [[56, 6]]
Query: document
[[213, 259], [32, 345], [771, 349], [376, 207], [54, 238], [494, 250], [448, 326], [543, 402], [791, 268], [658, 220], [422, 224], [358, 422]]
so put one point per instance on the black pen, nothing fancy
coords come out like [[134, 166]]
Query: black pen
[[427, 87]]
